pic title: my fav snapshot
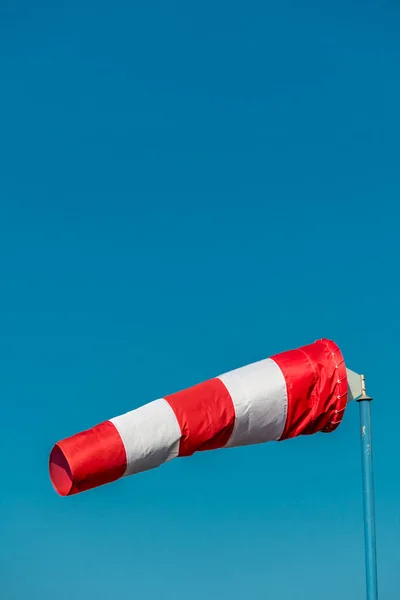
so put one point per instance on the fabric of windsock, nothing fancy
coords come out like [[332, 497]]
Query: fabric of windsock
[[299, 392]]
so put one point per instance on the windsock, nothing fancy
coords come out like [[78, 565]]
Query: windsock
[[294, 393]]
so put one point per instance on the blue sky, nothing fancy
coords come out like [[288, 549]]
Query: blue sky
[[186, 188]]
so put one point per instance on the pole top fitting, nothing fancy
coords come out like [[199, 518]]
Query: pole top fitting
[[364, 396]]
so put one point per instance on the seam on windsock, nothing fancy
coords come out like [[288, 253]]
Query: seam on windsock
[[242, 421], [341, 384]]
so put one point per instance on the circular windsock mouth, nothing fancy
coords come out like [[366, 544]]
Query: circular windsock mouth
[[87, 460], [60, 472]]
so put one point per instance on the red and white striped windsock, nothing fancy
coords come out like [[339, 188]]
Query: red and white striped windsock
[[299, 392]]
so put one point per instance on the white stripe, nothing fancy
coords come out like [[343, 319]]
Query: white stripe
[[259, 395], [151, 436]]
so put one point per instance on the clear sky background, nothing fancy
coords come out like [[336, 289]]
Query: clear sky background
[[186, 188]]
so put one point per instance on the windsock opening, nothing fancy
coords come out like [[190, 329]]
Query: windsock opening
[[60, 472], [87, 460]]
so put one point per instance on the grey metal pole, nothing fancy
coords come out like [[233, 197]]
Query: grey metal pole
[[368, 493]]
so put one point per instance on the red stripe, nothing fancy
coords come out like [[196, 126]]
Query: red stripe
[[316, 382], [205, 414], [87, 460]]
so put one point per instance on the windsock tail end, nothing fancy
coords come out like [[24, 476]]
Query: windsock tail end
[[60, 472], [87, 460]]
